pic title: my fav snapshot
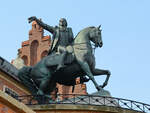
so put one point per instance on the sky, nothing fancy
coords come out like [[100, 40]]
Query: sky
[[125, 32]]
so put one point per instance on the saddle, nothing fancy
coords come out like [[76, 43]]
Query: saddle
[[55, 58]]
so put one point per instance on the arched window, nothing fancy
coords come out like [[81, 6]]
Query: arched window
[[25, 59], [44, 53], [33, 52]]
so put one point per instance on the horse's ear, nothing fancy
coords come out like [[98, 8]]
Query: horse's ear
[[99, 26]]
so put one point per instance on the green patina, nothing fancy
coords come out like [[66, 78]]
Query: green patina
[[76, 54]]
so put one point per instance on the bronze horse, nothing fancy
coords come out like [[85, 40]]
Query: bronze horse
[[41, 79]]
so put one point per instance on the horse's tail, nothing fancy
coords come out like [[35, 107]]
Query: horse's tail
[[25, 78]]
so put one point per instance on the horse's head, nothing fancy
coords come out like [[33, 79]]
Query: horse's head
[[96, 37]]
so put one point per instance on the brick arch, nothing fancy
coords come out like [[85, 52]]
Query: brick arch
[[44, 53], [25, 59], [33, 52]]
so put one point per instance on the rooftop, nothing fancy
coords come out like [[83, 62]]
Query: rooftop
[[8, 68]]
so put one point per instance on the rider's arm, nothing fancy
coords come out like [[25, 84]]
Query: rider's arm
[[45, 26]]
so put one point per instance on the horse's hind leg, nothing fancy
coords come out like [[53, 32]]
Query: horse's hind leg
[[97, 72], [44, 82], [43, 85], [49, 93]]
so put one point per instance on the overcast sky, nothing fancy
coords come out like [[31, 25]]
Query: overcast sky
[[126, 36]]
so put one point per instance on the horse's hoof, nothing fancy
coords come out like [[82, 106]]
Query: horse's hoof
[[99, 88], [51, 101]]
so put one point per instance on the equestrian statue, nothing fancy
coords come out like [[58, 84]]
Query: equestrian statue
[[67, 59]]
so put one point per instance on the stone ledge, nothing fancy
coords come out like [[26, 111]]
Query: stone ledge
[[78, 108]]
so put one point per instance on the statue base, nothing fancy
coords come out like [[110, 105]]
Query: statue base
[[102, 93], [68, 108]]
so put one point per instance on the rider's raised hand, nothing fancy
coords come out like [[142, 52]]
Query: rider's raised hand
[[32, 18]]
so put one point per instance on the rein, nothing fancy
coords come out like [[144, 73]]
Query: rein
[[93, 48]]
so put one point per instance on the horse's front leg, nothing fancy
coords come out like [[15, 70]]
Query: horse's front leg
[[84, 65], [97, 72]]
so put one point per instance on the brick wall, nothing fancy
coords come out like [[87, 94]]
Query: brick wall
[[7, 82], [36, 47]]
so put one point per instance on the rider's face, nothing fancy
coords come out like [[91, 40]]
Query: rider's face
[[62, 23]]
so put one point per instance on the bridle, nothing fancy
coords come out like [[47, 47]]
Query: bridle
[[93, 46]]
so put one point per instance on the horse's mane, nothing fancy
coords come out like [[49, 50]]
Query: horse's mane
[[84, 30]]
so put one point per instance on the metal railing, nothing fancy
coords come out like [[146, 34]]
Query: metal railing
[[84, 100]]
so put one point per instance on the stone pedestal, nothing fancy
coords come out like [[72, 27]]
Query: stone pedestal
[[102, 93], [68, 108]]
